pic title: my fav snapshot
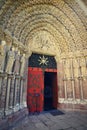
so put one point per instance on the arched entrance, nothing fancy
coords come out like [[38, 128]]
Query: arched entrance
[[42, 92]]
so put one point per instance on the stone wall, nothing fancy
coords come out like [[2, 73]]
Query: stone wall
[[72, 75]]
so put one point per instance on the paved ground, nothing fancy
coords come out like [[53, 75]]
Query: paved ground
[[71, 120]]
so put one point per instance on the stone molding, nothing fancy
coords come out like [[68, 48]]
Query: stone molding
[[3, 74], [12, 76], [72, 101]]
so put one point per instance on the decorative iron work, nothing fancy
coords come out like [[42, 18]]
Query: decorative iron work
[[42, 61]]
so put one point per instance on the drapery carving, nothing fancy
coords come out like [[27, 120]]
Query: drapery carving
[[17, 62], [2, 55], [10, 60]]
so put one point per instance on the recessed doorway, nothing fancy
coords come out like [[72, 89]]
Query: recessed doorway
[[42, 91], [50, 91]]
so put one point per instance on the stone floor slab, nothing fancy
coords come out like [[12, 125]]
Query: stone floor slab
[[45, 121]]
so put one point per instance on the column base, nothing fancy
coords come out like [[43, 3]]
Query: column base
[[72, 101], [16, 108], [11, 120], [1, 113], [8, 112], [24, 104], [72, 104]]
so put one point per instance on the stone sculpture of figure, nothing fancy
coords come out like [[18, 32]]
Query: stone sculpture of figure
[[10, 60], [22, 64], [2, 55], [17, 63]]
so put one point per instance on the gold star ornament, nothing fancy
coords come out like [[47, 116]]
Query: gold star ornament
[[42, 60]]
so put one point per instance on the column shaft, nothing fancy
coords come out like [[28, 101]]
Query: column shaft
[[8, 93], [21, 92], [65, 85], [11, 93]]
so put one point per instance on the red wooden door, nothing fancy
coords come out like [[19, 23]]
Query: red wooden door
[[35, 90]]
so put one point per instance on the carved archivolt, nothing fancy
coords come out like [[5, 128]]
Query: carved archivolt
[[59, 18]]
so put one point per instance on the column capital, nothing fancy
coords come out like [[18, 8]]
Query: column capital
[[11, 76], [3, 74], [17, 76], [28, 54]]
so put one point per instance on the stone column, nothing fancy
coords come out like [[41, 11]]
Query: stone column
[[72, 79], [3, 94], [73, 86], [24, 93], [17, 93], [8, 94], [11, 101], [25, 76], [81, 84], [81, 87], [65, 79], [22, 64], [80, 78], [0, 83], [65, 85], [21, 92]]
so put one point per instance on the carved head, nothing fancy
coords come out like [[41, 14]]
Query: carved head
[[3, 43]]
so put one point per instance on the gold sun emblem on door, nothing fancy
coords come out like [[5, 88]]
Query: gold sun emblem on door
[[42, 60]]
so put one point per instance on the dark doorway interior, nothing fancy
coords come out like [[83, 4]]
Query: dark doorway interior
[[49, 90]]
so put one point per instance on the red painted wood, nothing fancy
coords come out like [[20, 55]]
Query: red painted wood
[[35, 90], [50, 70]]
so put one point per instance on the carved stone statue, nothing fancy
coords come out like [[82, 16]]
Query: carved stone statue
[[17, 63], [2, 55], [22, 64], [10, 60]]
